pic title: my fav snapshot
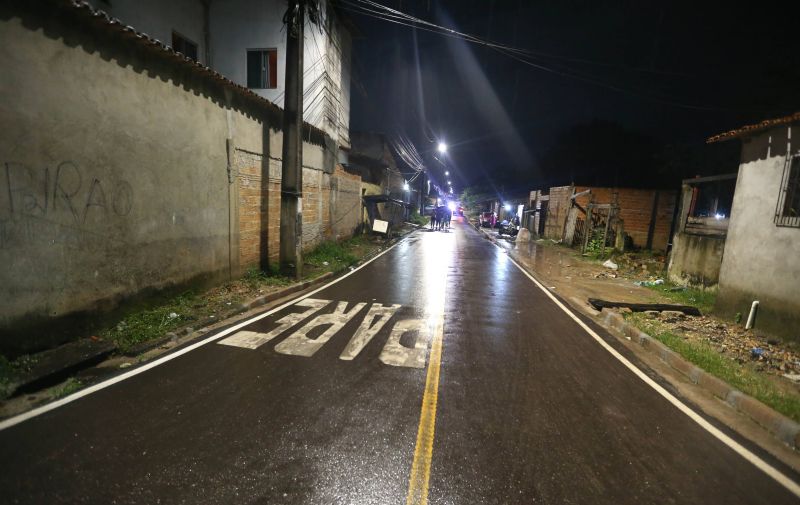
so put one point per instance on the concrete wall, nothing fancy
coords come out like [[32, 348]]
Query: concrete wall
[[238, 25], [761, 258], [159, 19], [114, 178], [695, 260]]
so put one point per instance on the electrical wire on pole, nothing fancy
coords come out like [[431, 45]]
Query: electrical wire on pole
[[291, 228]]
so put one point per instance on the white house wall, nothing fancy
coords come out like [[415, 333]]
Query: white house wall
[[239, 25], [762, 260]]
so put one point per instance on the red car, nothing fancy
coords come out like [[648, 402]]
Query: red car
[[487, 219]]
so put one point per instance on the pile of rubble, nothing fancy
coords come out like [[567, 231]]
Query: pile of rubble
[[768, 354]]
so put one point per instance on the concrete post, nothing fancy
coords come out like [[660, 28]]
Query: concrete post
[[291, 245]]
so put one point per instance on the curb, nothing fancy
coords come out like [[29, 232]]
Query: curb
[[779, 425], [239, 309], [255, 302]]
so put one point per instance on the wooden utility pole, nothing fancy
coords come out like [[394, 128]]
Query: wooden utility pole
[[291, 244]]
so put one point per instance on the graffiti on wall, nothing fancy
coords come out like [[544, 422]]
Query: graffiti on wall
[[59, 204]]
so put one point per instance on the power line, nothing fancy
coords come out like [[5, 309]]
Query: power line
[[384, 13]]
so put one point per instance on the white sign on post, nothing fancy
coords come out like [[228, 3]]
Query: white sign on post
[[380, 226]]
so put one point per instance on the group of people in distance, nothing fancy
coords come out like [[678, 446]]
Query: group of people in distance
[[440, 218]]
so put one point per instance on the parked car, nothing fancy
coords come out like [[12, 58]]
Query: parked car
[[487, 219]]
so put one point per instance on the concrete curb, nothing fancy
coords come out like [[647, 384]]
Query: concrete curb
[[779, 425], [257, 302]]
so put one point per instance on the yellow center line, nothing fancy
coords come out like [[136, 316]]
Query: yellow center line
[[423, 452]]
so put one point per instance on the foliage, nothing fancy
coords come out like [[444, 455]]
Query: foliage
[[11, 371], [147, 324], [741, 377], [68, 387], [702, 299], [594, 247], [472, 198], [337, 255], [256, 278], [417, 219]]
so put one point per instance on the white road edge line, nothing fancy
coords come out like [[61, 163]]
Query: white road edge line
[[759, 463], [136, 371]]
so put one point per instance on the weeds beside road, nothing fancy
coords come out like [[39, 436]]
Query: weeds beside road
[[190, 308], [747, 375]]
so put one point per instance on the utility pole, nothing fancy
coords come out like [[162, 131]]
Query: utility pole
[[291, 240], [422, 194]]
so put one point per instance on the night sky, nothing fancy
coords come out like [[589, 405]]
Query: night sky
[[648, 83]]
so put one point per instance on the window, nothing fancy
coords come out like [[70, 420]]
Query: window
[[262, 68], [184, 46], [787, 212]]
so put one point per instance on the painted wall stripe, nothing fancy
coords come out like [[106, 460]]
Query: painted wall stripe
[[169, 357], [759, 463]]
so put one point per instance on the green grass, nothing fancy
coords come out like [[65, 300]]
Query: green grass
[[151, 323], [703, 300], [67, 388], [7, 376], [337, 255], [256, 278], [417, 219], [12, 371], [741, 377]]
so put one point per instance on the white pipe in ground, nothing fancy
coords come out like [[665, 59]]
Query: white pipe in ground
[[751, 319]]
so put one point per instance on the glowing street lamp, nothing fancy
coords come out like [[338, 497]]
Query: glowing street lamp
[[442, 147], [405, 186], [446, 173]]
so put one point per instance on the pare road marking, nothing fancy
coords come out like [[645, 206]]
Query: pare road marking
[[373, 320]]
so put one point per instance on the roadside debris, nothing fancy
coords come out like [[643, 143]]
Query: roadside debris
[[644, 307], [656, 282], [610, 264], [766, 353]]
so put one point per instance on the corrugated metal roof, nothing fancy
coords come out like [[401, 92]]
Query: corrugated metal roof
[[754, 128], [104, 21]]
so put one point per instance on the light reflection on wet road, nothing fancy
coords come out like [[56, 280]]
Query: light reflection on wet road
[[529, 408]]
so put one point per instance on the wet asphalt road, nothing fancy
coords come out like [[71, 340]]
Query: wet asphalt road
[[530, 408]]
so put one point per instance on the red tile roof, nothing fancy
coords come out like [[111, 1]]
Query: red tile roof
[[753, 128]]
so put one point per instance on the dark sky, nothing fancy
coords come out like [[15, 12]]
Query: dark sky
[[664, 72]]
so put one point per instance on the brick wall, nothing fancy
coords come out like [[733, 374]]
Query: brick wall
[[557, 209], [345, 203], [636, 210], [331, 207]]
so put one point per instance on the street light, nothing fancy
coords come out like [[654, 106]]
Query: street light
[[446, 173], [405, 186], [442, 147]]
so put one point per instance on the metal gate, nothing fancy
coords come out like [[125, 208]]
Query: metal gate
[[600, 228], [595, 230]]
